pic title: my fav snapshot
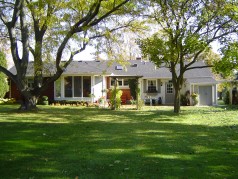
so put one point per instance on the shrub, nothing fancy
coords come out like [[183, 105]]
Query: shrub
[[226, 97], [133, 86], [115, 98], [7, 101], [43, 100], [194, 98], [184, 99]]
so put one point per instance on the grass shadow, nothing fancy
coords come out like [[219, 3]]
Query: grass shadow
[[100, 143]]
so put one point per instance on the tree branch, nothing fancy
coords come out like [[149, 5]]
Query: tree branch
[[108, 13], [8, 73], [199, 67]]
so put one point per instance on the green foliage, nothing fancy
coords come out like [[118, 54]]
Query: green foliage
[[184, 100], [229, 61], [43, 100], [194, 97], [115, 98], [226, 96], [184, 34], [133, 86], [7, 101], [55, 31], [3, 78]]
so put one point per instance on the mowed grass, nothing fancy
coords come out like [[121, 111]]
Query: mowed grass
[[73, 142]]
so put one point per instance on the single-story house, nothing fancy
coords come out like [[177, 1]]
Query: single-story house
[[90, 80]]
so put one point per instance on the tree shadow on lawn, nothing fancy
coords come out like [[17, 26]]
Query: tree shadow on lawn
[[93, 143]]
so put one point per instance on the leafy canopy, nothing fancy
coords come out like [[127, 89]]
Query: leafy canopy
[[3, 77], [229, 61]]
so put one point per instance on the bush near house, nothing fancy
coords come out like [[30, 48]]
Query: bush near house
[[43, 100], [115, 98], [226, 96]]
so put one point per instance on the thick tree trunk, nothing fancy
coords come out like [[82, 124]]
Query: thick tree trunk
[[29, 102], [177, 101]]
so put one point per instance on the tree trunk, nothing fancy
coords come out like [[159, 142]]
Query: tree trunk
[[29, 102], [177, 100]]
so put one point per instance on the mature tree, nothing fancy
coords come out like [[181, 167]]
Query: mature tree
[[3, 77], [186, 28], [57, 29]]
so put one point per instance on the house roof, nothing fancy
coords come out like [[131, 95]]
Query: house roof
[[144, 69]]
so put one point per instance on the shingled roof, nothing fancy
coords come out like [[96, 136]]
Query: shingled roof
[[146, 69]]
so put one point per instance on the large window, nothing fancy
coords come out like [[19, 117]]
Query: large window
[[75, 86]]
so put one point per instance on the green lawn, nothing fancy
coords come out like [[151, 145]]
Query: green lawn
[[77, 142]]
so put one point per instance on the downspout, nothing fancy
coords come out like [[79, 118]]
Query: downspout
[[10, 88], [137, 93]]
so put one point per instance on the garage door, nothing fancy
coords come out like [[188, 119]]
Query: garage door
[[205, 95]]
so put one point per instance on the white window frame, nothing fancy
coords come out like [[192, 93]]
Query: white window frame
[[62, 79], [122, 83], [148, 84]]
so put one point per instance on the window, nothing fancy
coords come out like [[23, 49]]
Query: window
[[121, 82], [169, 88], [118, 67], [152, 86], [126, 82], [75, 86]]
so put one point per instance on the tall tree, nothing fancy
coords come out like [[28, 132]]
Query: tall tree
[[186, 28], [3, 77], [58, 29]]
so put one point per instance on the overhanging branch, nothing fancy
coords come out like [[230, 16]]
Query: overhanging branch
[[199, 67]]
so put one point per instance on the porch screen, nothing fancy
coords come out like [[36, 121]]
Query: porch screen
[[68, 86]]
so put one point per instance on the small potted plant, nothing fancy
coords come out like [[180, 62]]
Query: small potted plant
[[101, 101], [194, 97]]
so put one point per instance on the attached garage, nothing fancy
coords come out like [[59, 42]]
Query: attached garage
[[206, 88]]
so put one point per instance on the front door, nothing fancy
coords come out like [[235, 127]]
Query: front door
[[169, 93]]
